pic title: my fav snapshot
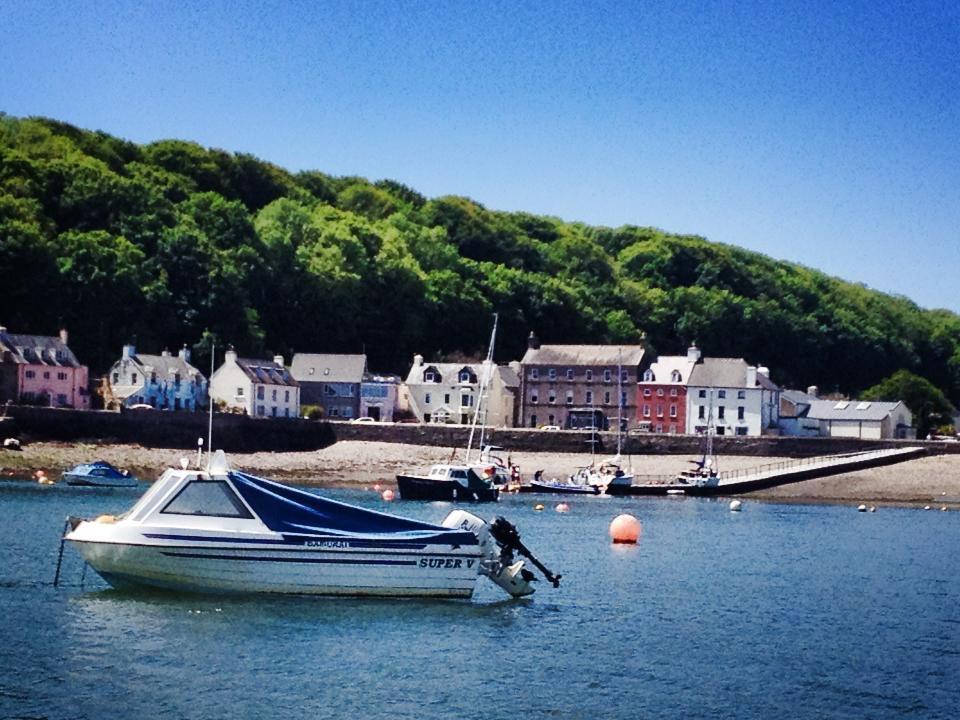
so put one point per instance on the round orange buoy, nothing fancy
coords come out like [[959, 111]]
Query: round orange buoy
[[625, 529], [376, 487], [387, 495], [562, 508]]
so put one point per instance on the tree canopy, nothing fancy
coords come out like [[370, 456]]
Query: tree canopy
[[176, 243]]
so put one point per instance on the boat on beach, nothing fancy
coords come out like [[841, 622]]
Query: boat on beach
[[219, 530], [98, 474]]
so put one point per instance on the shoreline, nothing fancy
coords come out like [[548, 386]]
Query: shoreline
[[931, 480]]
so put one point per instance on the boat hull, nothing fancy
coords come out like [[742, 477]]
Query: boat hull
[[412, 487], [91, 481], [297, 570], [535, 487]]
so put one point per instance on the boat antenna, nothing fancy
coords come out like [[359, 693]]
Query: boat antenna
[[486, 372], [213, 357]]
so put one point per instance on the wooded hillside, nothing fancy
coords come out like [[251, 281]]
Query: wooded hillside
[[175, 243]]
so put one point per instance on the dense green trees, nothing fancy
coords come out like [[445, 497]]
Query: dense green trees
[[174, 242]]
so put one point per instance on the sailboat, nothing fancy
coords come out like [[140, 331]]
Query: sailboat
[[476, 479], [705, 472]]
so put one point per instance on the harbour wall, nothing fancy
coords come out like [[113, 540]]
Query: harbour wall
[[239, 433]]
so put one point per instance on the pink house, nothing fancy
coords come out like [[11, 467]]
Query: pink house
[[41, 370]]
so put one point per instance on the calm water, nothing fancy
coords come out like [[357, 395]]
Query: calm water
[[780, 611]]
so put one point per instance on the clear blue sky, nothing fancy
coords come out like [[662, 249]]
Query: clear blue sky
[[824, 133]]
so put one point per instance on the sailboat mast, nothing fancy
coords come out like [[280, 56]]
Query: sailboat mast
[[213, 357], [485, 373], [619, 398]]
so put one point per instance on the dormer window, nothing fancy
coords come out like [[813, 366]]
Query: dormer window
[[675, 376], [648, 376], [429, 376], [464, 376]]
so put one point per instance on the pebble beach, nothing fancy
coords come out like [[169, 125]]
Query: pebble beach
[[933, 480]]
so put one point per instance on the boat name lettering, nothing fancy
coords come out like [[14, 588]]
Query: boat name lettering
[[327, 543], [444, 563]]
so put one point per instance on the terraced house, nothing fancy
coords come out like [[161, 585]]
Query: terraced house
[[164, 381], [261, 388], [42, 370], [579, 385]]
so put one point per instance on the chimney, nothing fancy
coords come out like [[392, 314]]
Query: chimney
[[813, 390], [278, 360], [64, 336], [533, 342], [230, 355], [417, 360], [765, 371], [751, 376], [129, 351], [693, 353], [185, 353]]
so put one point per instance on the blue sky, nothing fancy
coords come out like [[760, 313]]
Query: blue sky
[[824, 133]]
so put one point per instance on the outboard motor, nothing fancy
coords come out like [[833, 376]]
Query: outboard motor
[[499, 541]]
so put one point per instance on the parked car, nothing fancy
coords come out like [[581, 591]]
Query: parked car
[[550, 428], [363, 420]]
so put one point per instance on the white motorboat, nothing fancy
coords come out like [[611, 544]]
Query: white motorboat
[[219, 530]]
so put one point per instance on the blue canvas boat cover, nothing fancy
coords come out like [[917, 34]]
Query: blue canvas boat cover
[[286, 510]]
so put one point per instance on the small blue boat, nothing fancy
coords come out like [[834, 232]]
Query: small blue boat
[[99, 474]]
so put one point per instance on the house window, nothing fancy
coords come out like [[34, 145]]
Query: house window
[[623, 398], [466, 400], [646, 392], [552, 373], [607, 376], [534, 373], [606, 398], [429, 376], [646, 410], [673, 410], [648, 376], [534, 397], [46, 375], [446, 398], [260, 410], [273, 411], [348, 412], [624, 375], [334, 412], [286, 396], [741, 431], [116, 378], [673, 392], [740, 413], [569, 397], [659, 392], [426, 399], [721, 393], [741, 394], [259, 392], [589, 397], [30, 374], [720, 412], [721, 431], [133, 378], [701, 412], [702, 393], [533, 421], [61, 399], [239, 392], [551, 420], [659, 427], [61, 376], [274, 395], [552, 397], [659, 411], [589, 375]]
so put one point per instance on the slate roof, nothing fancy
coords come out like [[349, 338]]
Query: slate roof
[[266, 372], [626, 355], [166, 366], [448, 372], [509, 376], [36, 350], [726, 373], [664, 366], [320, 367], [851, 410]]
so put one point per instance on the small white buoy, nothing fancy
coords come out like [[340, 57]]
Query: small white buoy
[[625, 528], [861, 508], [926, 507], [387, 495], [944, 508], [538, 507], [873, 508], [735, 505], [562, 507]]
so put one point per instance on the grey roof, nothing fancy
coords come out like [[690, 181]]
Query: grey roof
[[664, 366], [448, 372], [167, 365], [36, 350], [266, 372], [851, 410], [612, 355], [798, 397], [726, 373], [319, 367], [508, 376]]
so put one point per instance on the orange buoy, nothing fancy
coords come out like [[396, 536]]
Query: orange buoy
[[562, 508], [387, 495], [625, 529], [376, 486]]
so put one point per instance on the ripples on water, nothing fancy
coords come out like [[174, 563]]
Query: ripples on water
[[779, 611]]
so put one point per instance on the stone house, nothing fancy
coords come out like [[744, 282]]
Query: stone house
[[164, 381], [331, 381], [450, 392], [259, 388], [569, 385], [42, 370]]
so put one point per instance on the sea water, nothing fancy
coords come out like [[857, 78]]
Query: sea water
[[779, 611]]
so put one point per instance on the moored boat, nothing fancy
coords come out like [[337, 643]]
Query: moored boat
[[452, 483], [219, 530], [98, 474]]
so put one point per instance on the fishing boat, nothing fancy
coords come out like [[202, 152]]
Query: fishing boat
[[219, 530], [476, 479], [98, 474]]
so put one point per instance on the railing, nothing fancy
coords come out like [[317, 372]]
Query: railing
[[810, 462]]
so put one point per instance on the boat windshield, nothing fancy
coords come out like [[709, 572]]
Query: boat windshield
[[208, 498]]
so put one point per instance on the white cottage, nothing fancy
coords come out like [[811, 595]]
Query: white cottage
[[449, 392], [733, 397], [260, 388], [164, 381]]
